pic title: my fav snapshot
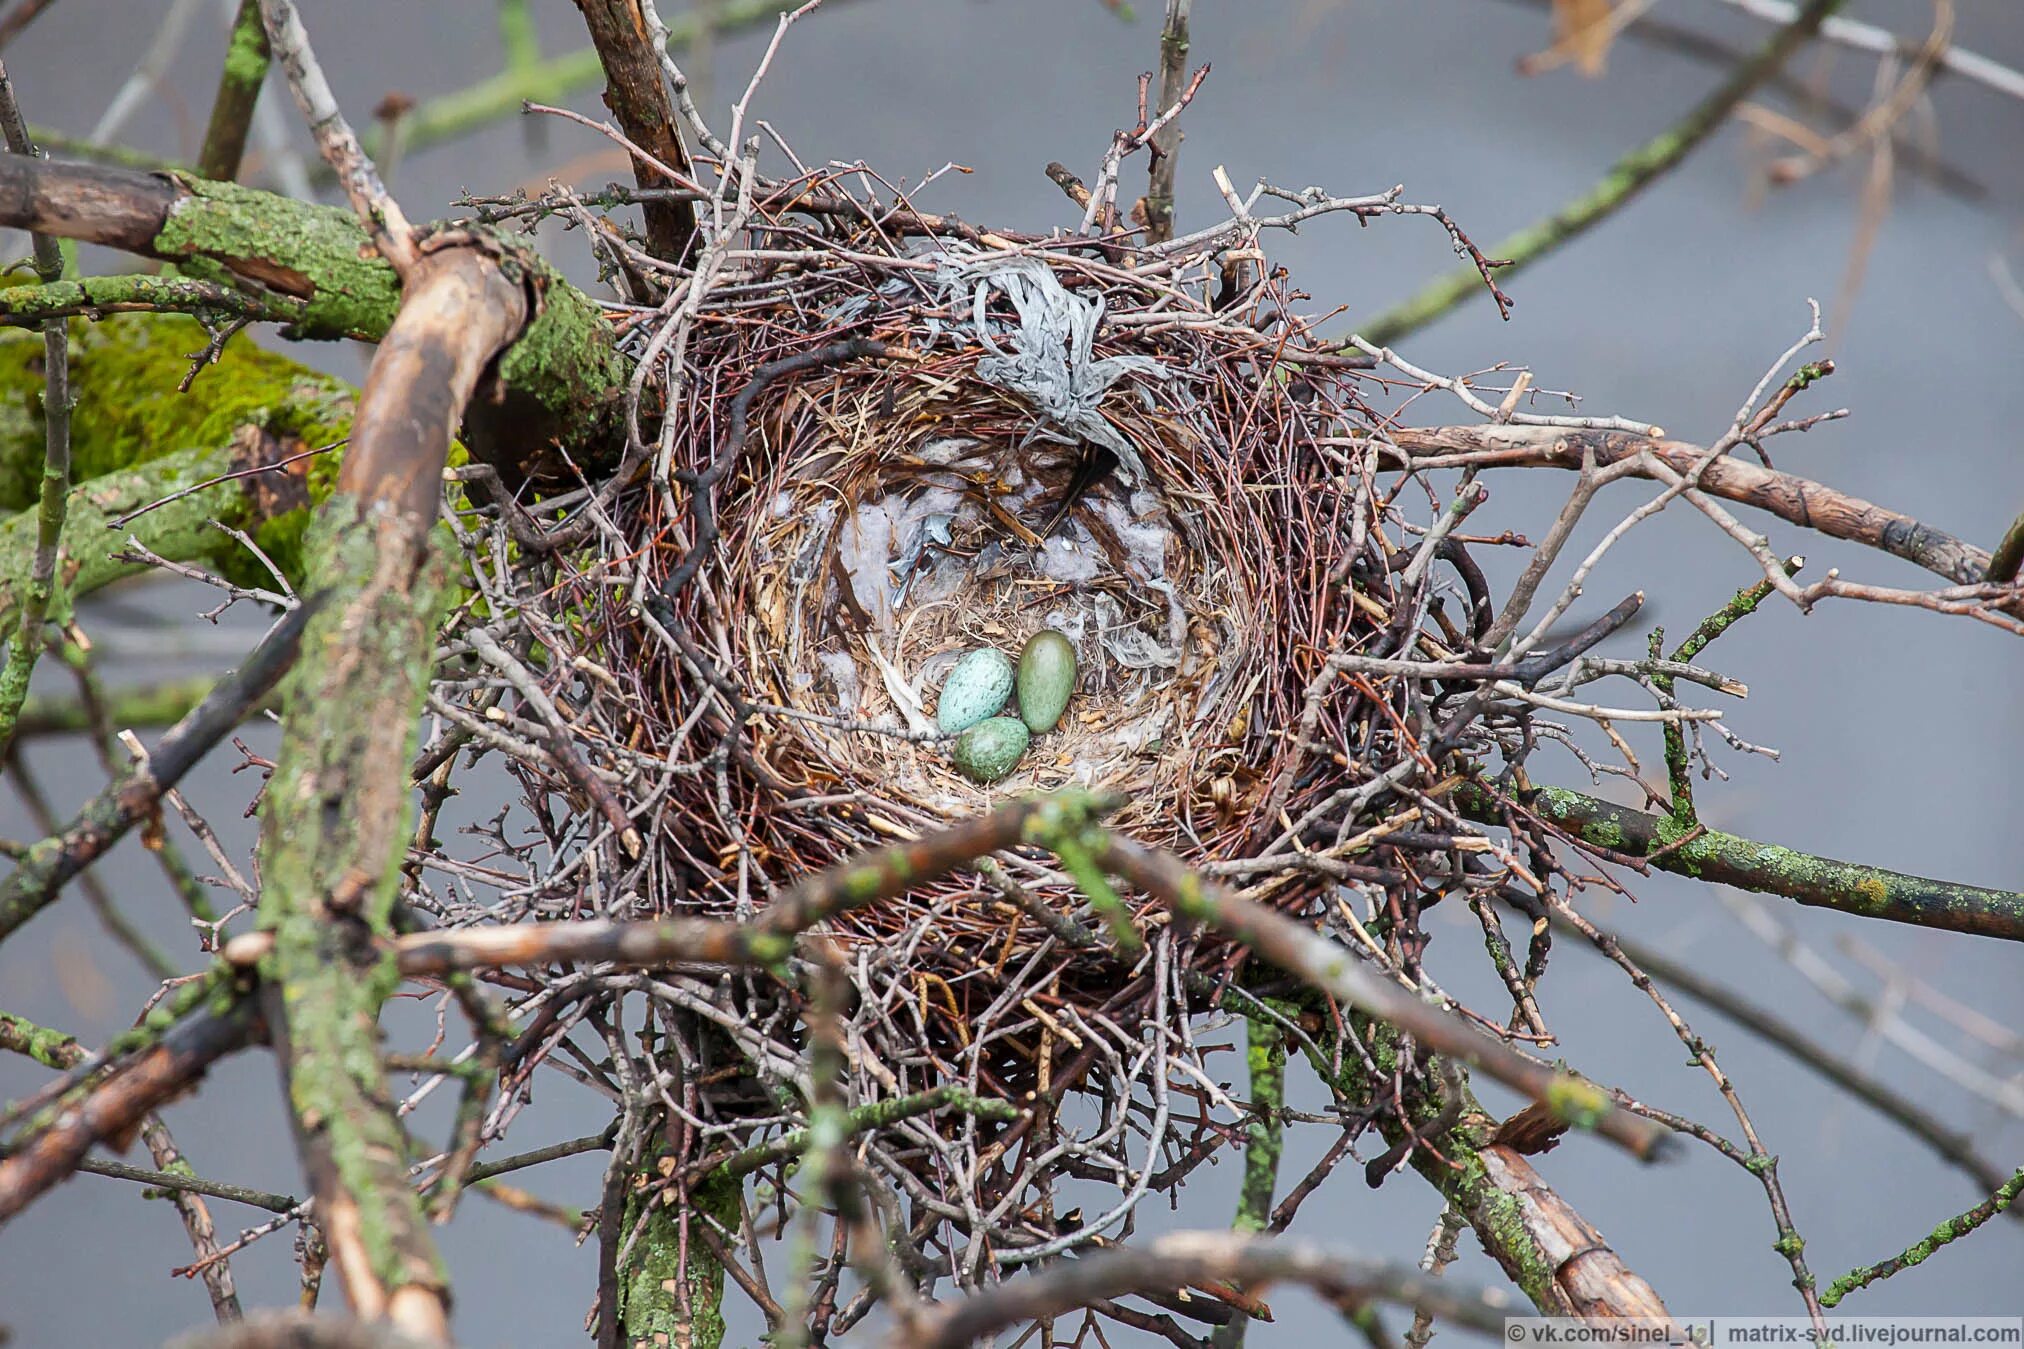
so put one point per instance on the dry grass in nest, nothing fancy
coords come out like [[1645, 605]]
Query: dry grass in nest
[[1197, 597], [1156, 624]]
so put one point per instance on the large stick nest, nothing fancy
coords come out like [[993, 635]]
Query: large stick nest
[[863, 445], [885, 513]]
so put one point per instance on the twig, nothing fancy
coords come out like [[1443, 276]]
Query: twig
[[1953, 1229], [1181, 1259], [1727, 859], [1324, 965], [118, 1104], [1869, 37], [40, 876], [1166, 146], [1956, 1147], [339, 144], [1798, 500], [246, 60], [18, 19]]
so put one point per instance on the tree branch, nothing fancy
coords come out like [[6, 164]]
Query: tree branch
[[53, 498], [332, 826], [1727, 859], [1181, 1259], [639, 100], [39, 877], [561, 377], [1798, 500], [117, 1106], [1953, 1229], [246, 58]]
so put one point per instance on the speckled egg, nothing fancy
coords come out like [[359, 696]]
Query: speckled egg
[[974, 690], [989, 750], [1045, 679]]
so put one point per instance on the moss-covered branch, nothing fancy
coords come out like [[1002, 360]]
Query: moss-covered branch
[[334, 817], [664, 1299], [137, 441], [92, 296], [239, 85], [1264, 1143], [1768, 868], [1329, 968], [53, 490], [338, 794], [560, 378]]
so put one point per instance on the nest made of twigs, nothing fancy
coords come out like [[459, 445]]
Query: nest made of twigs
[[884, 513]]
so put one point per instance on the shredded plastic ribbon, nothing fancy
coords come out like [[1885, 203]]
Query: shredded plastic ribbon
[[1050, 362]]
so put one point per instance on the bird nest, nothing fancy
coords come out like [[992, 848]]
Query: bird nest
[[863, 442], [969, 450]]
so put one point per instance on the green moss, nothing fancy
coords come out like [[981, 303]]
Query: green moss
[[653, 1282], [566, 360], [352, 292], [770, 949], [246, 55], [1265, 1058], [866, 882], [136, 441], [126, 370], [50, 1048], [1458, 1171]]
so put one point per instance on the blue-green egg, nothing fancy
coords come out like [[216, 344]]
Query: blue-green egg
[[990, 750], [1045, 678], [974, 690]]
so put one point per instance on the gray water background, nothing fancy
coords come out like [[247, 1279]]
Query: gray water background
[[1899, 730]]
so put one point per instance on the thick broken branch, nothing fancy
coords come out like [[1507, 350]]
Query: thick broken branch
[[634, 92]]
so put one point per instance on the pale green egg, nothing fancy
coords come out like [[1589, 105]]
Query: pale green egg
[[974, 690], [1045, 678], [990, 749]]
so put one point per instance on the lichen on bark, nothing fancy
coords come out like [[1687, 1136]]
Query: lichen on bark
[[655, 1282], [330, 864]]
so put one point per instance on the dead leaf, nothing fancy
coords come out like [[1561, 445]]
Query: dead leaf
[[1582, 32]]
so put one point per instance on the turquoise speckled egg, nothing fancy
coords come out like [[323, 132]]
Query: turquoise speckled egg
[[990, 749], [974, 690], [1045, 678]]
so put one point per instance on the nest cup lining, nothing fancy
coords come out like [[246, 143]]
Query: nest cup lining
[[906, 533]]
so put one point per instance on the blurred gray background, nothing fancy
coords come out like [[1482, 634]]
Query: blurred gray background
[[1900, 730]]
